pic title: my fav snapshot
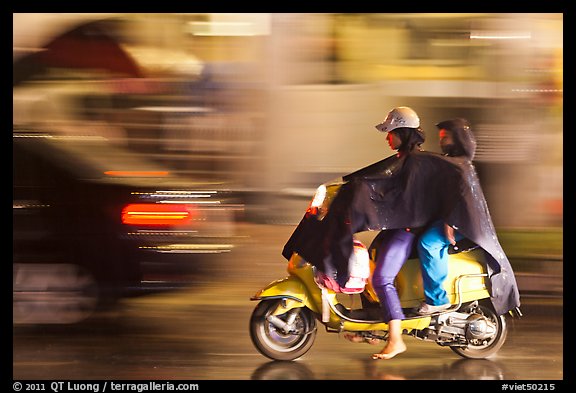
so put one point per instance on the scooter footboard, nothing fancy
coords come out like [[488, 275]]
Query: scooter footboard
[[407, 324], [291, 291]]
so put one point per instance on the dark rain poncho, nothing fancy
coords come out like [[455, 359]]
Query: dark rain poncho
[[407, 192]]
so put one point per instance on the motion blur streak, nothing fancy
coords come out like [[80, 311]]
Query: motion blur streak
[[136, 173], [270, 103], [258, 109]]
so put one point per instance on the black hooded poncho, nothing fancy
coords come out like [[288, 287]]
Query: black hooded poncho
[[411, 191]]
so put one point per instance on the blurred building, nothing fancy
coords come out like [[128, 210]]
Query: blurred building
[[336, 75], [277, 103]]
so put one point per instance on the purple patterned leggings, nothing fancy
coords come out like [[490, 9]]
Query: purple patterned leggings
[[392, 253]]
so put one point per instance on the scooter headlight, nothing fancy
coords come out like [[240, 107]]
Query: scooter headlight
[[315, 207]]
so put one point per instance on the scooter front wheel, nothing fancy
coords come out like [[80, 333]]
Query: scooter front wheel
[[286, 337]]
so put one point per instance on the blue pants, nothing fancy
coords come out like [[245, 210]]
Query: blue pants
[[433, 252], [392, 253]]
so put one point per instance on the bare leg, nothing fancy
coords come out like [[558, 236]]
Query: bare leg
[[395, 344]]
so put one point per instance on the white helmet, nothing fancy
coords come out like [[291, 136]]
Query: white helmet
[[399, 117]]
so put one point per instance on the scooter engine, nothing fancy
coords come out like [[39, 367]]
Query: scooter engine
[[479, 327], [458, 328]]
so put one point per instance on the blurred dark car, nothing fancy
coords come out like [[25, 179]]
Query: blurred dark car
[[94, 223]]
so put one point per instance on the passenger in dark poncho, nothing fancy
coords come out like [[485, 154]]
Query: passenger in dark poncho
[[457, 142]]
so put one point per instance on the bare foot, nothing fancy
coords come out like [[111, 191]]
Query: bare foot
[[390, 350], [353, 337]]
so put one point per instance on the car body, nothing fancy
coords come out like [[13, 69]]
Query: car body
[[94, 223]]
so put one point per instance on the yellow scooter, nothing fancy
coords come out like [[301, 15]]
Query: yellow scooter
[[283, 326]]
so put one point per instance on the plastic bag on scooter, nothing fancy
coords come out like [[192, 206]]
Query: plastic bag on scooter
[[359, 268], [359, 265]]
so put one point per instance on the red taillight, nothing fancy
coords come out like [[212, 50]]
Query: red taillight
[[136, 173], [157, 214]]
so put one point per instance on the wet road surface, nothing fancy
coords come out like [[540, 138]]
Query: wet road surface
[[202, 334]]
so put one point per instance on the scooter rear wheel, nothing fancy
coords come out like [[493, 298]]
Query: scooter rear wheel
[[486, 348], [275, 344]]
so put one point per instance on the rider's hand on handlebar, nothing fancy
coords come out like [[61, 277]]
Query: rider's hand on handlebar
[[449, 232]]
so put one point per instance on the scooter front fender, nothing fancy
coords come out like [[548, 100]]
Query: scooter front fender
[[291, 291]]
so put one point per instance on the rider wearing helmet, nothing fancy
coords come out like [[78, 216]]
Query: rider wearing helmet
[[403, 127], [405, 136], [401, 116]]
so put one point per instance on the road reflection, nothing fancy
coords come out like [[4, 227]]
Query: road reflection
[[174, 339], [282, 370], [463, 369], [202, 334]]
